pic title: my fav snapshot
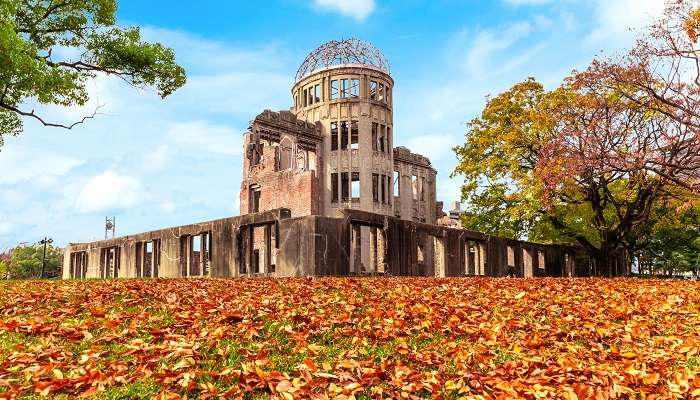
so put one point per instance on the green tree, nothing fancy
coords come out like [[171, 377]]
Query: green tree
[[670, 242], [498, 163], [593, 159], [4, 263], [25, 262], [36, 40], [3, 270], [578, 163]]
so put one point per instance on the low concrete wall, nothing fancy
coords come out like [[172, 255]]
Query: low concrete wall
[[321, 246]]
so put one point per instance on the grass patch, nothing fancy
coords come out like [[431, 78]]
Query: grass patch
[[144, 389]]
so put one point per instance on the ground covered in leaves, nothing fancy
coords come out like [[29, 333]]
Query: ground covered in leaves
[[344, 338]]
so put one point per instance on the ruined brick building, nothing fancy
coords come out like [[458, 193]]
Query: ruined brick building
[[325, 192]]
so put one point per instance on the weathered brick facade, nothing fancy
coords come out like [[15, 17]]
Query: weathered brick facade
[[294, 189]]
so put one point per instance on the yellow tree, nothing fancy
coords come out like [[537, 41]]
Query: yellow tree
[[589, 160]]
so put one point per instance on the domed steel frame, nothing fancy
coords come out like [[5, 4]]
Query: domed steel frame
[[347, 51]]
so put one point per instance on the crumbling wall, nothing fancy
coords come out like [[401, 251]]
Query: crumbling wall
[[416, 197], [281, 165], [322, 246], [293, 189]]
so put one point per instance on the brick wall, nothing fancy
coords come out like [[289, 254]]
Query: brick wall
[[294, 189]]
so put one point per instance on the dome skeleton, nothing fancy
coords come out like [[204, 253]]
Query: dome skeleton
[[347, 51]]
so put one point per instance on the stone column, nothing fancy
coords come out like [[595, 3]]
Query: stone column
[[355, 249], [267, 255], [527, 263], [381, 250], [439, 257], [373, 250], [482, 259]]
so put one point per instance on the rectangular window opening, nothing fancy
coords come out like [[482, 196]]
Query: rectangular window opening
[[345, 186], [375, 188], [387, 139], [255, 192], [196, 256], [354, 136], [383, 189], [305, 98], [334, 187], [334, 135], [344, 135], [344, 89], [206, 253], [397, 183], [373, 90], [334, 90], [382, 134], [317, 94], [354, 88], [147, 260], [109, 262], [355, 186], [380, 97], [375, 128]]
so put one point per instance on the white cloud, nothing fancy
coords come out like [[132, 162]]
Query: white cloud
[[202, 136], [357, 9], [5, 227], [19, 162], [433, 146], [168, 207], [110, 191], [617, 20], [487, 43]]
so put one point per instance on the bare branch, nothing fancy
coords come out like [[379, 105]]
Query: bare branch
[[32, 114]]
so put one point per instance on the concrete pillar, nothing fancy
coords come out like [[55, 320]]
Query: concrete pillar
[[248, 248], [439, 257], [355, 249], [267, 253], [482, 259], [381, 250], [527, 263], [373, 259]]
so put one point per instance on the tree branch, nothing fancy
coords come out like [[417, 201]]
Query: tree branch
[[32, 114]]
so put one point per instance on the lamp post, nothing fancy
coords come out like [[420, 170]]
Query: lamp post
[[44, 241]]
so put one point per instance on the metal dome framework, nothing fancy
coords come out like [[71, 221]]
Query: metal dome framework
[[347, 51]]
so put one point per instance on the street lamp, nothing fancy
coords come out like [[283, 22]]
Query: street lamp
[[44, 241]]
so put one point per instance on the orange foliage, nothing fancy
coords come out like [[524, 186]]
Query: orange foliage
[[343, 338]]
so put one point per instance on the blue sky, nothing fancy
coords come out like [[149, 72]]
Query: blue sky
[[155, 163]]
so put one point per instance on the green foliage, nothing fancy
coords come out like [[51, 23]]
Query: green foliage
[[498, 162], [532, 169], [25, 262], [671, 243], [37, 39]]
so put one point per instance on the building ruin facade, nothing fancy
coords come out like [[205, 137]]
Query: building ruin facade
[[326, 192]]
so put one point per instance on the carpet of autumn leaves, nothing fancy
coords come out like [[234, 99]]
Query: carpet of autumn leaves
[[351, 338]]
